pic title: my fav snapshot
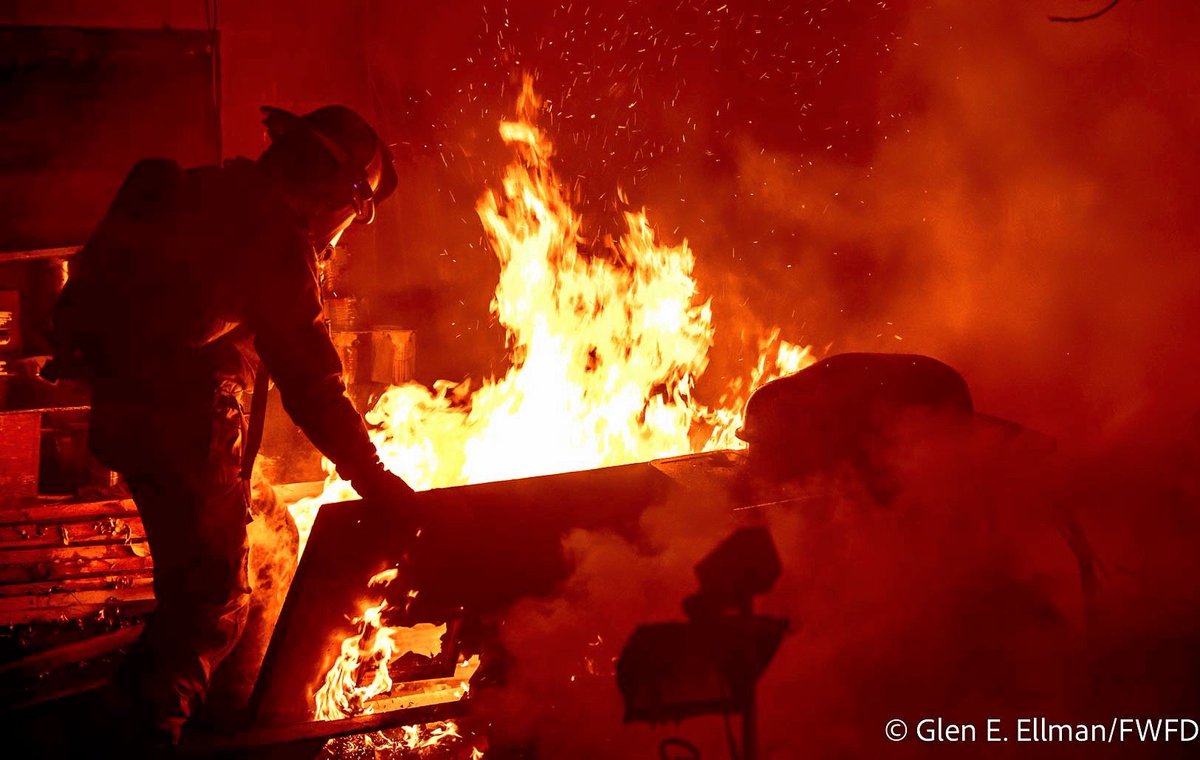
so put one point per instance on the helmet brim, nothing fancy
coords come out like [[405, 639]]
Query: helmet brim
[[281, 123]]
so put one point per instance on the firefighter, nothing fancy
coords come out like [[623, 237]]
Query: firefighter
[[193, 281]]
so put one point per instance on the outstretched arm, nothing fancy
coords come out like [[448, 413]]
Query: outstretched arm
[[293, 341]]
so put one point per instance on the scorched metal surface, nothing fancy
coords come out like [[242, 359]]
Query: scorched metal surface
[[479, 548]]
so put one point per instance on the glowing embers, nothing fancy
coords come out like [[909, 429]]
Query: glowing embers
[[403, 742], [388, 667]]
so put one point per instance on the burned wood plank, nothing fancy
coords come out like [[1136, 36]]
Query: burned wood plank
[[67, 598], [37, 554], [134, 608], [407, 695], [133, 579], [38, 254], [80, 567], [31, 609], [43, 513], [201, 745], [19, 454], [109, 529]]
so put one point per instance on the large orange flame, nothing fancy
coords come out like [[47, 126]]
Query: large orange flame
[[606, 347]]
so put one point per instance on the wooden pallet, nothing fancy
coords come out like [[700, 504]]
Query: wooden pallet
[[76, 584], [63, 561]]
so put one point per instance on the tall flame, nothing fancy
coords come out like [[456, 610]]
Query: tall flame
[[605, 349]]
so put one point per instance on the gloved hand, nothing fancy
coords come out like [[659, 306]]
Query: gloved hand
[[382, 487]]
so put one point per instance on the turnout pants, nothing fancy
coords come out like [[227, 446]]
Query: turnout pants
[[195, 512]]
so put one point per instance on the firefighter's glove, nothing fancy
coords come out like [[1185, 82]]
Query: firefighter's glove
[[383, 488]]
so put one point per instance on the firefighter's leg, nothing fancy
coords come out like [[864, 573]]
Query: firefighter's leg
[[196, 525]]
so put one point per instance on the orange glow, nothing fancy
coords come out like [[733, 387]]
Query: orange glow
[[401, 739], [605, 350]]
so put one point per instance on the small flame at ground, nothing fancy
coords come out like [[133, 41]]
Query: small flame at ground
[[404, 741]]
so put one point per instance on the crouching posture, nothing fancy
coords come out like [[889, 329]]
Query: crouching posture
[[195, 282]]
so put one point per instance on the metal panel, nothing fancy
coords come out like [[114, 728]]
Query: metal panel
[[480, 548]]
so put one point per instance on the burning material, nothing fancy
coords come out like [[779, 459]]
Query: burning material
[[360, 682], [405, 741], [606, 347], [373, 648], [361, 672]]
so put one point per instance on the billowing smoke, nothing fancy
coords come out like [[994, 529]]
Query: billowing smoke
[[1028, 217], [992, 582]]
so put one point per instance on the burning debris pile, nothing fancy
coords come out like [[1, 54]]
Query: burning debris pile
[[362, 673]]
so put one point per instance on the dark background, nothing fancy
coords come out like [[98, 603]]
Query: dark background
[[66, 92]]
